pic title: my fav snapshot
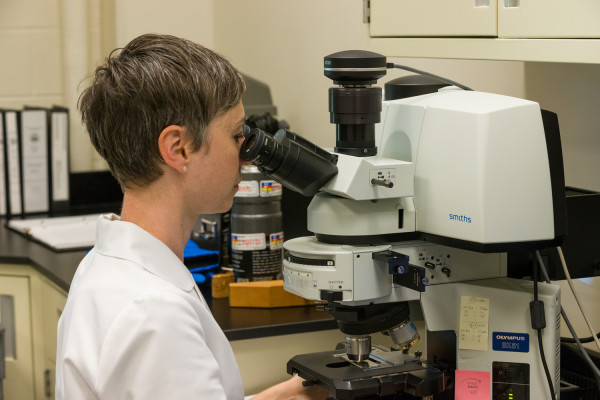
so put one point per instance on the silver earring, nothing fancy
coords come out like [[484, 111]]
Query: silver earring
[[184, 168]]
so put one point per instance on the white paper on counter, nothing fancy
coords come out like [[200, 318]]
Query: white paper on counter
[[60, 233]]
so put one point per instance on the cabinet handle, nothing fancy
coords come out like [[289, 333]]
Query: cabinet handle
[[512, 3], [48, 383]]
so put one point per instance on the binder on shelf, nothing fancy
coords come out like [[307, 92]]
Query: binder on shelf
[[3, 186], [45, 159], [35, 160], [59, 159], [13, 175]]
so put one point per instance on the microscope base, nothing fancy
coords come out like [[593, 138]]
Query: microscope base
[[346, 380]]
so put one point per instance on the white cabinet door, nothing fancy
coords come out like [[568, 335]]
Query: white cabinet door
[[548, 18], [30, 306], [18, 383], [54, 300], [433, 18]]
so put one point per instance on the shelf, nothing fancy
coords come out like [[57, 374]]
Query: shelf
[[585, 51]]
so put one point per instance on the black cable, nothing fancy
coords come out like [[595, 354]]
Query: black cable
[[538, 322], [588, 339], [421, 72], [584, 353]]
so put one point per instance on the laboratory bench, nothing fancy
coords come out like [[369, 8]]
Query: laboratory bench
[[34, 282], [237, 323]]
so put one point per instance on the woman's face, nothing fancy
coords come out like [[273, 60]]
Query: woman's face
[[214, 171]]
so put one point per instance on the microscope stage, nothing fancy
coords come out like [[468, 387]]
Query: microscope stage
[[383, 374]]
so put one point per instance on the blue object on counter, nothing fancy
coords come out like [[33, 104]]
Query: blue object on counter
[[199, 278], [192, 250], [194, 255], [204, 273], [204, 268], [202, 277]]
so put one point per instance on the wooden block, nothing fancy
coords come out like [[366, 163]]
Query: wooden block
[[220, 285], [263, 294]]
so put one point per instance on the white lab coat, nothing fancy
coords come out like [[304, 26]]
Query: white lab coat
[[135, 326]]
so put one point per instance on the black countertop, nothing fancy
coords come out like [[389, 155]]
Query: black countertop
[[249, 323], [237, 323]]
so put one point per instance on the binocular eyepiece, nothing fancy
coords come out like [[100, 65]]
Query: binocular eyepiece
[[290, 159]]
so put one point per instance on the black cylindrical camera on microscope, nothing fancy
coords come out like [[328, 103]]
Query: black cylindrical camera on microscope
[[355, 106]]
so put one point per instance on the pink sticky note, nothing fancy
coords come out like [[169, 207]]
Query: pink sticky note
[[472, 385]]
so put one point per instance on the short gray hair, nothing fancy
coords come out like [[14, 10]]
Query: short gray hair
[[153, 82]]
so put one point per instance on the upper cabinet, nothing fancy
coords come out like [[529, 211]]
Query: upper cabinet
[[430, 18], [549, 19], [527, 30]]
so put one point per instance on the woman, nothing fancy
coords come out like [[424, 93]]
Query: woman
[[166, 115]]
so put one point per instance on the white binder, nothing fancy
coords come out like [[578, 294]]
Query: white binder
[[3, 186], [13, 163], [59, 159], [35, 163]]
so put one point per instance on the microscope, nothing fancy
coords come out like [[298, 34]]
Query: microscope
[[413, 213]]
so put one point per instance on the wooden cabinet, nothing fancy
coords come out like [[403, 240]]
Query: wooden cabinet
[[525, 30], [31, 306]]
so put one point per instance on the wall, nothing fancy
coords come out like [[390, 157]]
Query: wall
[[31, 53], [50, 46], [573, 92], [191, 19], [283, 44]]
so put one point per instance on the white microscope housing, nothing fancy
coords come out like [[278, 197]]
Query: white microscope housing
[[418, 204], [464, 165], [460, 178], [466, 169]]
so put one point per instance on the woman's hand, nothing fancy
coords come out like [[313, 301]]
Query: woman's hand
[[293, 389]]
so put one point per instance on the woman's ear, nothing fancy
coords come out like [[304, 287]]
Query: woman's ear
[[173, 147]]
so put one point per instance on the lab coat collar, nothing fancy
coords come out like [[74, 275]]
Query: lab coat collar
[[125, 240]]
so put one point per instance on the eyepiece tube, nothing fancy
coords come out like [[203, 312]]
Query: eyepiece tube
[[306, 143], [299, 168]]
